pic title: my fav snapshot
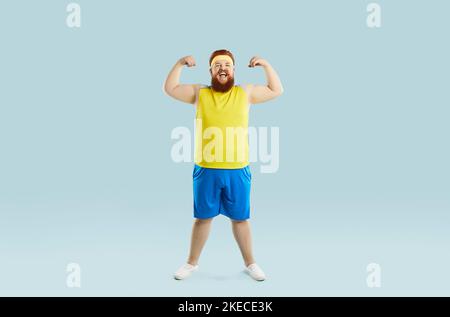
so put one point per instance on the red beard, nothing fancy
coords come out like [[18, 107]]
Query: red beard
[[218, 86]]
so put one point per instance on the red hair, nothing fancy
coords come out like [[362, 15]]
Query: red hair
[[221, 52]]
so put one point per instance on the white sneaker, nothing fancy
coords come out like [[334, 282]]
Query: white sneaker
[[185, 271], [255, 272]]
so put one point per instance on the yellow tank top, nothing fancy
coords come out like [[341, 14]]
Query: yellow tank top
[[221, 128]]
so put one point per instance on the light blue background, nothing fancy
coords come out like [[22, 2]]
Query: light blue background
[[85, 168]]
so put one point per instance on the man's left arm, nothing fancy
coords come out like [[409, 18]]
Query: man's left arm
[[263, 93]]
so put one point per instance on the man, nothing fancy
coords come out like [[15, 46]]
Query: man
[[221, 175]]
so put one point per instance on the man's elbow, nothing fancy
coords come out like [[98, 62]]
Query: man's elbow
[[278, 92], [168, 93], [168, 90]]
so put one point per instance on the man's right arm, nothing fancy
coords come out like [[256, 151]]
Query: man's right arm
[[172, 86]]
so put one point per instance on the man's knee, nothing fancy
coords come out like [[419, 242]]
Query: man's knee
[[199, 221], [238, 222]]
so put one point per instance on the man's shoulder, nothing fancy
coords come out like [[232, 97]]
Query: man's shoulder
[[247, 88], [244, 86], [202, 89]]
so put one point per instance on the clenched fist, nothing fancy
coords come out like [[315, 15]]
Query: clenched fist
[[187, 60], [257, 61]]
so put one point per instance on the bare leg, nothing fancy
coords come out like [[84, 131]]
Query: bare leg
[[200, 232], [242, 234]]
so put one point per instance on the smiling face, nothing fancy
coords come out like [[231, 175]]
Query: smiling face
[[222, 70]]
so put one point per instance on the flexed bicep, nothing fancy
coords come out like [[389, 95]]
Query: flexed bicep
[[172, 86], [260, 93], [184, 92]]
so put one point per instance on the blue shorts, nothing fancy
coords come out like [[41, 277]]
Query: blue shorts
[[222, 191]]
